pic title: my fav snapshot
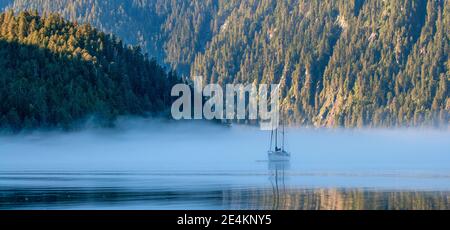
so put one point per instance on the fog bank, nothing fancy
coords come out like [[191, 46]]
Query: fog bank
[[155, 145]]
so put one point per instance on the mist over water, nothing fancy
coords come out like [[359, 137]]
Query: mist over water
[[150, 145], [203, 165]]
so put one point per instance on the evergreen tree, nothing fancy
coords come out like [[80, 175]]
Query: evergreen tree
[[55, 73]]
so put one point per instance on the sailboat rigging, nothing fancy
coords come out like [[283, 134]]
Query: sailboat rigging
[[278, 153]]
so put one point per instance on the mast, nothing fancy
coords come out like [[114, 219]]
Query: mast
[[283, 137], [276, 138]]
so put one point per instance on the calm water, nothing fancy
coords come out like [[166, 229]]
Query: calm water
[[151, 165]]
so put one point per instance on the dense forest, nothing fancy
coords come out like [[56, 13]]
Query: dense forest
[[171, 31], [55, 73], [351, 63]]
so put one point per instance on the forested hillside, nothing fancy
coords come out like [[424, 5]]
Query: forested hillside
[[381, 63], [55, 73], [349, 63], [171, 31]]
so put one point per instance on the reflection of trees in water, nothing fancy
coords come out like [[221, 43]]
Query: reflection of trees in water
[[392, 200], [337, 199], [279, 196], [253, 199]]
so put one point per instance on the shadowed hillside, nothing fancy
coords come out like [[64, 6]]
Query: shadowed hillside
[[354, 63], [55, 73]]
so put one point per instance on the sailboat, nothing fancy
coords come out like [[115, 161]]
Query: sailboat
[[278, 153]]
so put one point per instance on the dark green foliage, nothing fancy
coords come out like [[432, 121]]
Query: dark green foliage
[[54, 73], [345, 63], [340, 63], [171, 31]]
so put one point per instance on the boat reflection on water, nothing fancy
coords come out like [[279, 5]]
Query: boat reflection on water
[[276, 189], [285, 196], [277, 177], [273, 185]]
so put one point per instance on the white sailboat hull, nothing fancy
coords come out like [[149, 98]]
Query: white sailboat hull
[[279, 156]]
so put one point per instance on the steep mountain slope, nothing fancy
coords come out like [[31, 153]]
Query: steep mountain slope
[[171, 31], [340, 63], [54, 73], [380, 73], [372, 51], [277, 41]]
